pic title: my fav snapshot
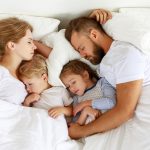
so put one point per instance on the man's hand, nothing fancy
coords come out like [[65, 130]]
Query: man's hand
[[30, 99], [101, 15], [75, 131]]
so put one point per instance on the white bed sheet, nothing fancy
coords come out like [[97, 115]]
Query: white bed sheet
[[25, 128], [32, 129], [133, 135]]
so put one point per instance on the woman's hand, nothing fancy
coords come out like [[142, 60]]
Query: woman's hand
[[101, 15]]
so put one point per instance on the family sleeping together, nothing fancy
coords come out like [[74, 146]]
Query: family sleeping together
[[97, 101]]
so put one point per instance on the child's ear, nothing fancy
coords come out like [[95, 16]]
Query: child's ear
[[86, 75], [45, 77]]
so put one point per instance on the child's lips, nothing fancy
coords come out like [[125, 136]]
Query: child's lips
[[76, 91]]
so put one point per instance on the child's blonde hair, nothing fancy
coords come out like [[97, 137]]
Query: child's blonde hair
[[12, 29], [77, 67], [35, 67]]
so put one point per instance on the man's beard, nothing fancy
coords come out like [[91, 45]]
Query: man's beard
[[98, 54]]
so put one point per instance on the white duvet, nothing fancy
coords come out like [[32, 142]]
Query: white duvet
[[133, 135], [24, 128]]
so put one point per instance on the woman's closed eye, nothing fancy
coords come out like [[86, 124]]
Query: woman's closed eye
[[30, 41]]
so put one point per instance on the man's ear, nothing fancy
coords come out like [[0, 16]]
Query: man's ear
[[11, 45], [44, 77], [93, 34]]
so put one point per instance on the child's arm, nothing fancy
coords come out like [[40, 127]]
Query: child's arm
[[30, 99], [55, 112], [88, 112], [108, 100], [42, 49]]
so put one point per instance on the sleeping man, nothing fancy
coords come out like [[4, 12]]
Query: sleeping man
[[123, 65]]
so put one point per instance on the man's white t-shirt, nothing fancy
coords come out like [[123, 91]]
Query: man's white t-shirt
[[124, 63], [53, 97]]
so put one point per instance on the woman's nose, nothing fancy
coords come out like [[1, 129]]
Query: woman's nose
[[34, 46]]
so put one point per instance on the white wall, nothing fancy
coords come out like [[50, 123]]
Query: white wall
[[65, 9]]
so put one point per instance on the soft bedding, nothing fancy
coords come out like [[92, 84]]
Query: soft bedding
[[25, 128], [132, 135]]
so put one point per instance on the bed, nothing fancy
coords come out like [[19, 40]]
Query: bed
[[32, 129]]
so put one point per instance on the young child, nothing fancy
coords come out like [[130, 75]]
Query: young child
[[41, 94], [91, 94]]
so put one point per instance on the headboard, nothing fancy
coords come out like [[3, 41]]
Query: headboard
[[65, 9]]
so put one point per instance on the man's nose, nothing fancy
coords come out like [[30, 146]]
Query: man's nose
[[83, 54]]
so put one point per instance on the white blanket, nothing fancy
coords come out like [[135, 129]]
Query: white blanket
[[24, 128], [133, 135]]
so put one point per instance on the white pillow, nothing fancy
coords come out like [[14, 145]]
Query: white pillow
[[41, 25], [62, 52], [132, 27]]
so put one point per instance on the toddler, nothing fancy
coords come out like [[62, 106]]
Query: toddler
[[90, 93], [34, 75]]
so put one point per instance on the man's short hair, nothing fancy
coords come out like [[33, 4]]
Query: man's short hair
[[81, 24]]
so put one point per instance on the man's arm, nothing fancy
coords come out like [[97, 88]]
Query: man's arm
[[127, 98]]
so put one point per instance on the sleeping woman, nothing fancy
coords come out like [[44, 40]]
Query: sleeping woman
[[16, 45]]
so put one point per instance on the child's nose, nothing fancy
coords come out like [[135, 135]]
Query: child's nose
[[72, 89], [29, 90]]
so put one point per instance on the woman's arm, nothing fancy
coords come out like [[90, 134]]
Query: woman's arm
[[42, 49]]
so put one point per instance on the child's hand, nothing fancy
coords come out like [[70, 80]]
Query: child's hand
[[55, 112], [92, 112], [30, 99], [79, 107]]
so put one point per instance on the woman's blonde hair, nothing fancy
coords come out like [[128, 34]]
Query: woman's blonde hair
[[12, 29], [33, 68]]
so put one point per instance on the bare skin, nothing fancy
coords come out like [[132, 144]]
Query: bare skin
[[42, 48], [127, 93], [127, 98]]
